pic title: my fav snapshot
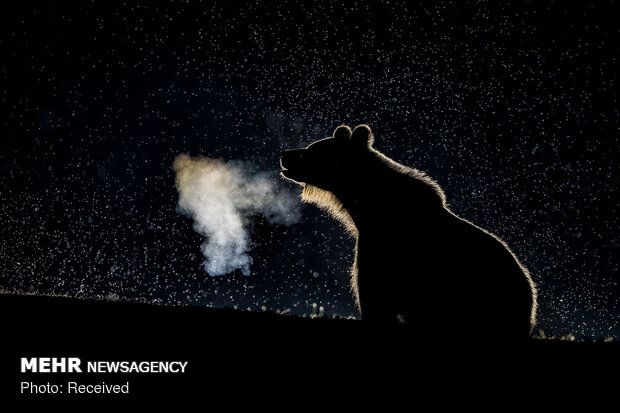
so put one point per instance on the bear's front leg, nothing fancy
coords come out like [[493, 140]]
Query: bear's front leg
[[374, 304], [376, 298]]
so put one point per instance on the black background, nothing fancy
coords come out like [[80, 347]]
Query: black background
[[512, 107]]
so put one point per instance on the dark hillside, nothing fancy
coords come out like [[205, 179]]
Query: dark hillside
[[263, 358]]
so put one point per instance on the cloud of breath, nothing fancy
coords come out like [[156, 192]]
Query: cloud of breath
[[221, 197]]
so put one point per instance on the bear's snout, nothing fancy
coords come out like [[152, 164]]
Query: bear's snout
[[292, 163], [291, 158]]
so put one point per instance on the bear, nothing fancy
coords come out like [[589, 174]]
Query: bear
[[415, 261]]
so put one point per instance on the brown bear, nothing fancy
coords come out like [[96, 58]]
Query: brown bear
[[416, 262]]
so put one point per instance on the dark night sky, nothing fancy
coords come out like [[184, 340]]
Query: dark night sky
[[512, 108]]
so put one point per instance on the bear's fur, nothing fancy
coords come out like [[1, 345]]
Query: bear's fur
[[415, 261]]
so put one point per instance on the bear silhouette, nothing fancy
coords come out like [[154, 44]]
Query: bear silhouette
[[416, 262]]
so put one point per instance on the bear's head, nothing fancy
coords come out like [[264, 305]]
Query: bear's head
[[329, 162]]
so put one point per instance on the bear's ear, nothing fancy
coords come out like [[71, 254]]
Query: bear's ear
[[362, 136], [342, 132]]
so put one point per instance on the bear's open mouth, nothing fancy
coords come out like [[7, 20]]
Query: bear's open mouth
[[290, 174]]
